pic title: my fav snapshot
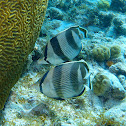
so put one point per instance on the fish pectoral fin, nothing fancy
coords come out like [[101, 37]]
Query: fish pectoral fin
[[90, 82]]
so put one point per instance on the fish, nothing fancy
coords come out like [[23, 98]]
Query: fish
[[40, 109], [64, 47], [64, 81]]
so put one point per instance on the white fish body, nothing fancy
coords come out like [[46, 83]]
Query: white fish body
[[64, 47], [65, 80]]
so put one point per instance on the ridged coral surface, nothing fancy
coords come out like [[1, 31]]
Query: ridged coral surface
[[20, 22]]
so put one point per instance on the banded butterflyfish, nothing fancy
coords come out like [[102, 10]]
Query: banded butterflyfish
[[64, 81], [64, 47]]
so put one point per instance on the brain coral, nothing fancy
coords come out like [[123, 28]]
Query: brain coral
[[20, 22]]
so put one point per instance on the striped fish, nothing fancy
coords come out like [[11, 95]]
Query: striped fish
[[64, 47], [65, 81]]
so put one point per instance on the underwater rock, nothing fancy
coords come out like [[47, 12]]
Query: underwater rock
[[120, 25], [118, 21], [118, 59], [101, 53], [50, 29], [103, 5], [124, 85], [105, 18], [57, 123], [125, 53], [117, 91], [118, 68], [111, 32], [64, 4], [107, 85], [55, 13], [117, 114], [118, 5], [122, 79]]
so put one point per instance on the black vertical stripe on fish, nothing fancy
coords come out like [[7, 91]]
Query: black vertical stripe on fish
[[57, 49], [70, 39], [74, 76], [82, 70], [57, 73], [42, 80], [66, 48], [45, 54]]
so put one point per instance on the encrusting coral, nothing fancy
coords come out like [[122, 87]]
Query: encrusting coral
[[107, 85], [115, 51], [101, 84], [103, 4], [101, 53], [20, 22]]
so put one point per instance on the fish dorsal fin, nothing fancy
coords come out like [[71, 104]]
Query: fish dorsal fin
[[83, 30], [75, 26]]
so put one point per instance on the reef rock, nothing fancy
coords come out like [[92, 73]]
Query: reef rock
[[117, 115], [107, 85], [118, 68]]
